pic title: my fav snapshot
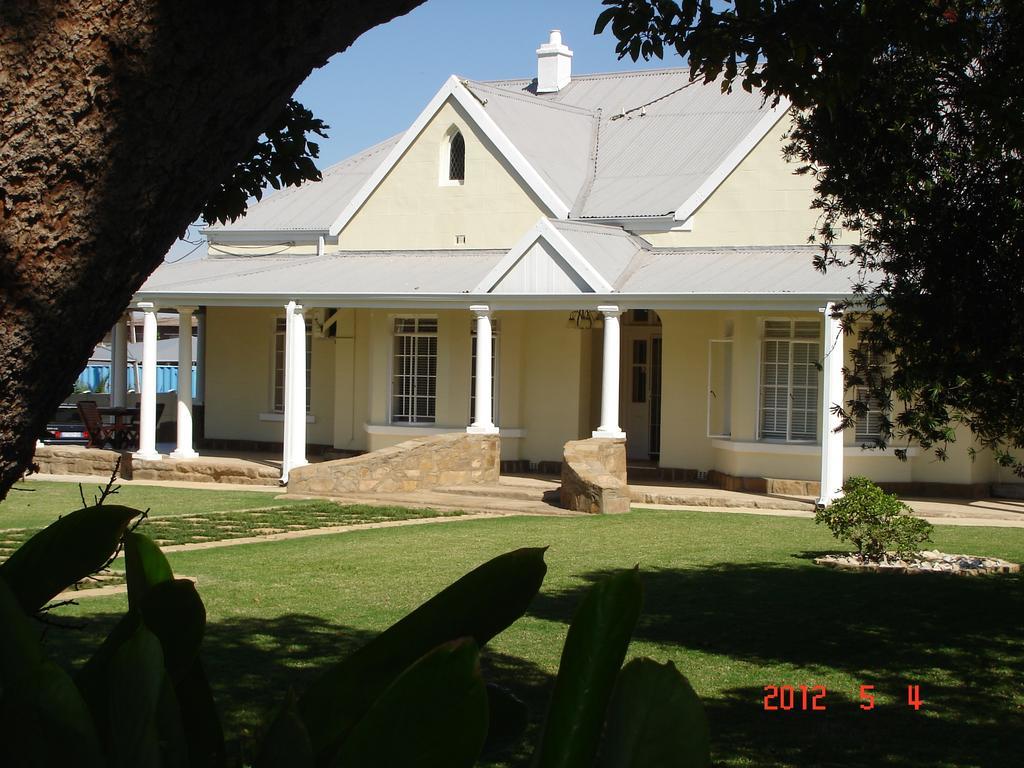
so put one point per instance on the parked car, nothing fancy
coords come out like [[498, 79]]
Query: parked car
[[65, 427]]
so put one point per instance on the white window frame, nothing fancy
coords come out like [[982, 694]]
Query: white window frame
[[495, 371], [445, 157], [792, 338], [411, 419], [279, 333]]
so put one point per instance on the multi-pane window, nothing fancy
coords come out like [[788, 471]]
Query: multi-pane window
[[494, 374], [790, 355], [414, 371], [279, 343], [457, 158]]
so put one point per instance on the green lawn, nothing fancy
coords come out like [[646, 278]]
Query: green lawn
[[187, 516], [733, 600], [37, 503]]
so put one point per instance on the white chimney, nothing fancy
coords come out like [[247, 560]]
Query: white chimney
[[554, 64]]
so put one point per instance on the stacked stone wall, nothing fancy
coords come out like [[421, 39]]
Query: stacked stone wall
[[420, 464], [594, 476]]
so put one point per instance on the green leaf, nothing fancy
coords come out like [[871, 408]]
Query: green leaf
[[287, 741], [479, 605], [594, 649], [174, 613], [20, 654], [44, 722], [655, 720], [433, 716], [136, 677], [200, 720], [64, 553], [145, 566]]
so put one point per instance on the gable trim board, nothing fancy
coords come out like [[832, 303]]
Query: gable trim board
[[544, 230], [455, 90], [732, 160]]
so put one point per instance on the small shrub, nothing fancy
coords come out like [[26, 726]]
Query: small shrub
[[874, 521]]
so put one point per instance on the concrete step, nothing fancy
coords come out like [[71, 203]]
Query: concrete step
[[500, 492]]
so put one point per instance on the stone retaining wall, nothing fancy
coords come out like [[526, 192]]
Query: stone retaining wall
[[594, 476], [205, 470], [76, 460], [426, 462]]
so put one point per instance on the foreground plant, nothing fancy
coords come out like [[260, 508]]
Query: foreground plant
[[412, 696], [874, 521]]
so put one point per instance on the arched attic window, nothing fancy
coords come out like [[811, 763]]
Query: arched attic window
[[453, 158]]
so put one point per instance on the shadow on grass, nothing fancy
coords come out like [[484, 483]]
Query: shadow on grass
[[960, 638], [252, 662]]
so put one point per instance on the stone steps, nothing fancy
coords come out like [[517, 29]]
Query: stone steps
[[502, 492]]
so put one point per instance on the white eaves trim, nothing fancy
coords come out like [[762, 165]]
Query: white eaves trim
[[544, 229], [733, 159], [454, 89]]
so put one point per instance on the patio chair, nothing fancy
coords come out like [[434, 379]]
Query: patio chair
[[99, 433], [130, 433]]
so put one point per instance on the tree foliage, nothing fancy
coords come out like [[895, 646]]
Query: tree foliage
[[282, 157], [910, 117]]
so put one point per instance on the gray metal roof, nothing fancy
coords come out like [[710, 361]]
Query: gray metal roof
[[609, 250], [313, 205], [602, 164], [673, 135], [351, 272], [747, 270]]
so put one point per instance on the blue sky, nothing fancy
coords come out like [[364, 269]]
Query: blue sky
[[377, 87]]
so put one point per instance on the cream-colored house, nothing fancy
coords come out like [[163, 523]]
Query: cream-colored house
[[551, 257]]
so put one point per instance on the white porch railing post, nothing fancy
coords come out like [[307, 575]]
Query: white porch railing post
[[610, 376], [200, 396], [147, 414], [119, 364], [831, 395], [483, 418], [294, 390], [185, 448]]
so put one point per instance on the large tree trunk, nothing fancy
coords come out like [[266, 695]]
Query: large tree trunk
[[119, 117]]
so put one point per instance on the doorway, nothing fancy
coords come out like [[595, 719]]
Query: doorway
[[641, 387]]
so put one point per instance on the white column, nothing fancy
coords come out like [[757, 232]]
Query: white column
[[119, 364], [483, 418], [294, 390], [831, 396], [610, 376], [185, 449], [147, 415]]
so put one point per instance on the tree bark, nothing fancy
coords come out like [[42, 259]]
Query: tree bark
[[119, 117]]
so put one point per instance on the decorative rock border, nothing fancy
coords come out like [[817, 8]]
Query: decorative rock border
[[929, 561]]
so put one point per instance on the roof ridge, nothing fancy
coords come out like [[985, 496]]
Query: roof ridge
[[595, 75], [533, 100]]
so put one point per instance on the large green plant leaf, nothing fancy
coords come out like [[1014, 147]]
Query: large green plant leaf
[[145, 567], [594, 649], [173, 611], [64, 553], [433, 716], [655, 720], [141, 706], [479, 605], [43, 719]]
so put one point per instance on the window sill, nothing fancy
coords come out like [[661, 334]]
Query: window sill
[[804, 449], [273, 416], [430, 429]]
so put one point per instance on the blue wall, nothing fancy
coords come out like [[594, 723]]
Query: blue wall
[[96, 376]]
